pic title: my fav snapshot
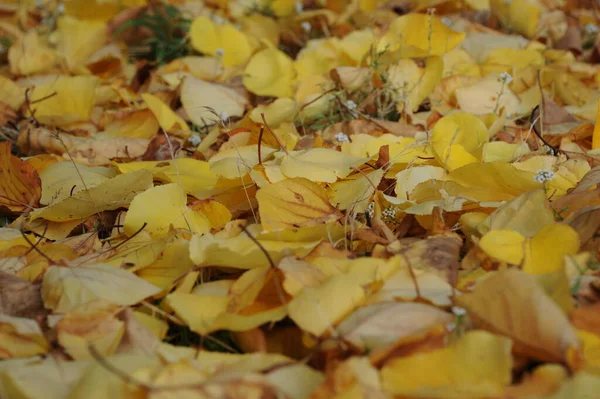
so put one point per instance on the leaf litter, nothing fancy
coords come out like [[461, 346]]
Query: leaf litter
[[299, 199]]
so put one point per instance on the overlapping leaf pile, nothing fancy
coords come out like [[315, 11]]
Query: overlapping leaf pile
[[281, 198]]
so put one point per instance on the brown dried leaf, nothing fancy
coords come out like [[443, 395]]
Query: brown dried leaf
[[20, 185], [20, 298]]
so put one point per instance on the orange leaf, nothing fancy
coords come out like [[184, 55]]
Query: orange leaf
[[20, 185]]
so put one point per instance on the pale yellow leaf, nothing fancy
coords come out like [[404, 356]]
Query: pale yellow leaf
[[65, 288]]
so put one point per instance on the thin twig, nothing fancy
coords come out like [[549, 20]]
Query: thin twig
[[262, 115], [264, 251]]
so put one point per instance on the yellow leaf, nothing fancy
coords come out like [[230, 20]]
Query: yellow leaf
[[29, 56], [65, 288], [461, 134], [270, 73], [205, 314], [318, 309], [408, 179], [320, 56], [192, 174], [512, 60], [80, 39], [138, 251], [167, 119], [458, 62], [63, 179], [382, 324], [98, 10], [505, 245], [162, 208], [20, 337], [477, 365], [218, 214], [260, 27], [281, 8], [58, 377], [319, 164], [419, 35], [241, 252], [356, 44], [294, 203], [109, 195], [432, 75], [173, 263], [497, 177], [208, 103], [504, 152], [525, 214], [93, 323], [355, 192], [155, 325], [582, 385], [223, 40], [11, 93], [487, 96], [596, 136], [546, 251], [401, 286], [521, 15], [64, 100], [277, 112], [136, 124], [512, 304], [235, 163]]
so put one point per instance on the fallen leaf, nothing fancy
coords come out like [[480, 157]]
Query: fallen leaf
[[20, 183], [64, 100], [65, 288], [21, 337], [111, 194], [208, 103], [92, 323], [484, 365], [419, 35], [294, 203], [379, 325], [512, 304], [174, 213]]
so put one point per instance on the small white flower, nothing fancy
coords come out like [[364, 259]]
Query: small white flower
[[220, 52], [389, 212], [450, 326], [299, 7], [306, 27], [590, 29], [506, 77], [217, 19], [61, 8], [195, 140], [446, 21], [224, 116], [543, 176], [342, 137], [351, 105], [458, 311], [371, 209], [431, 11]]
